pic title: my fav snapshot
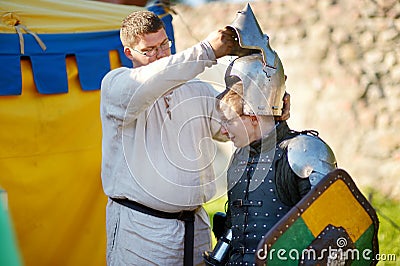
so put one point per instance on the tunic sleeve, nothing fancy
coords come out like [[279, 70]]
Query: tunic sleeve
[[128, 92]]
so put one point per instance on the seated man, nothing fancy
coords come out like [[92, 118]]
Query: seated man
[[264, 182]]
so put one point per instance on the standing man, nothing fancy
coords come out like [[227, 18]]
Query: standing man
[[156, 151]]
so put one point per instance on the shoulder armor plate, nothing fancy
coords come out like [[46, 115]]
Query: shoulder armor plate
[[309, 156]]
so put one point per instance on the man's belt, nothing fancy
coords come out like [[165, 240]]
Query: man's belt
[[186, 216]]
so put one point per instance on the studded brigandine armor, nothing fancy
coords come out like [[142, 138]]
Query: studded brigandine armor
[[262, 189]]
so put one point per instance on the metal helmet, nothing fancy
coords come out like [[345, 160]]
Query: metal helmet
[[263, 86], [251, 38]]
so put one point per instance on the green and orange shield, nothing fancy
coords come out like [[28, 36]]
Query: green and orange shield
[[333, 224]]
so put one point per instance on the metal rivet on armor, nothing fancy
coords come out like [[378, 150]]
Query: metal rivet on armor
[[255, 225], [287, 226], [280, 208], [254, 236], [264, 225], [270, 168], [271, 190], [280, 232], [277, 215], [273, 199], [270, 181], [255, 214], [266, 214], [263, 168]]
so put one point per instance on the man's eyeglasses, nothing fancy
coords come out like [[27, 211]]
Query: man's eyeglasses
[[153, 51]]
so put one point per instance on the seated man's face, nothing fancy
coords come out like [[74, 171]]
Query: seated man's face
[[239, 129]]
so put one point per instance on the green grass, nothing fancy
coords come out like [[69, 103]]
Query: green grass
[[213, 207], [389, 223]]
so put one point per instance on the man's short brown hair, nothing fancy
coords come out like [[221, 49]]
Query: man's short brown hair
[[138, 24]]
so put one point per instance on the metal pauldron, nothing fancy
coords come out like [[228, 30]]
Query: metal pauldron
[[310, 157]]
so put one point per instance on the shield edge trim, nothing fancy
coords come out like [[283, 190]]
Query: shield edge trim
[[291, 217]]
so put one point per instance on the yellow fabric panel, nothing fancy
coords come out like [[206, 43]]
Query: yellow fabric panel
[[50, 166], [55, 16], [337, 206]]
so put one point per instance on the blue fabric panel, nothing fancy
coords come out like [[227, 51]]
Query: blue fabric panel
[[167, 19], [49, 73], [10, 75], [53, 79], [92, 67], [67, 43]]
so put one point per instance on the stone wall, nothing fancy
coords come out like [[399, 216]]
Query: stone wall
[[342, 59]]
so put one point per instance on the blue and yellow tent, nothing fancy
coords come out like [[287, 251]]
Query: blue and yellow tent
[[53, 56]]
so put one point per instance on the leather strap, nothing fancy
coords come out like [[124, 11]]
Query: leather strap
[[186, 216]]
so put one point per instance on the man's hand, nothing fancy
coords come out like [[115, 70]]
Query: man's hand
[[286, 108], [221, 41]]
